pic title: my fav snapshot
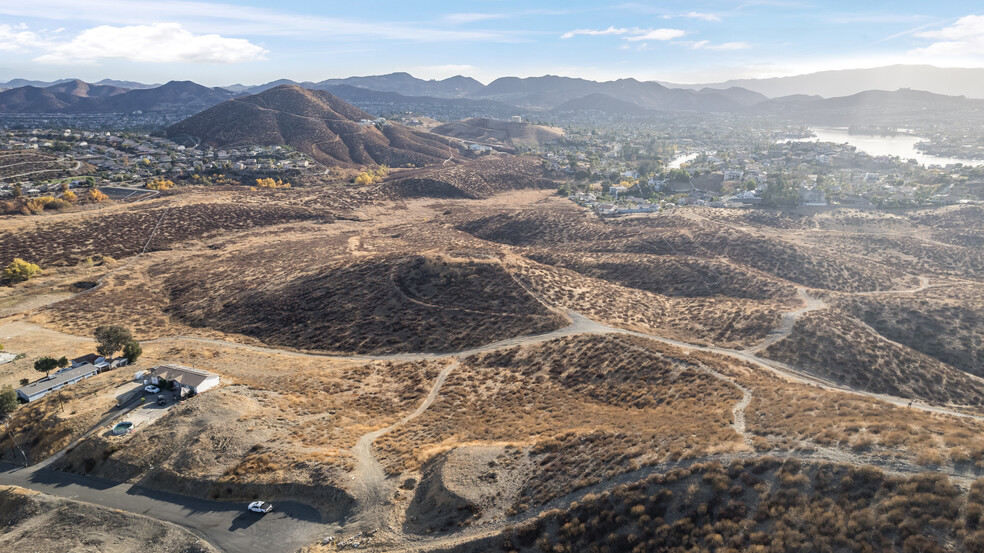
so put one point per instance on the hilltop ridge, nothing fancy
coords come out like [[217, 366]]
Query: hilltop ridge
[[315, 122]]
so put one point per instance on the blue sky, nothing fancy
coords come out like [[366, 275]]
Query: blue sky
[[256, 41]]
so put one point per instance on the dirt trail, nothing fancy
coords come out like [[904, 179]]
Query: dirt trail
[[923, 285], [893, 467], [370, 488], [579, 325], [738, 411], [373, 491], [788, 320]]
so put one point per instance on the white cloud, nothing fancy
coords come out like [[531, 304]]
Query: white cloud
[[17, 38], [595, 32], [635, 34], [723, 47], [225, 18], [971, 26], [156, 43], [703, 16], [658, 34], [472, 17], [963, 39]]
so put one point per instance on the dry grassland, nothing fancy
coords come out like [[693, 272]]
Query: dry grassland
[[583, 409], [761, 506], [944, 324], [849, 352], [721, 320], [789, 416]]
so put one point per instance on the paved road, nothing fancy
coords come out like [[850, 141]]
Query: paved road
[[226, 525]]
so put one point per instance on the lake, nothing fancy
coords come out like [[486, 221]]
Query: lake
[[901, 145]]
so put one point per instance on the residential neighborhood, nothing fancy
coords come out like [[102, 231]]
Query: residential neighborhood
[[615, 170], [40, 161]]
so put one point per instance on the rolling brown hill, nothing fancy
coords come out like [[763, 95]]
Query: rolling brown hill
[[500, 132], [480, 178], [314, 122]]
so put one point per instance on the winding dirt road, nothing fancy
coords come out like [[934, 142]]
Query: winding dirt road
[[373, 490]]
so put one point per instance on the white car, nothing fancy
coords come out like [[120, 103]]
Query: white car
[[260, 507], [151, 389]]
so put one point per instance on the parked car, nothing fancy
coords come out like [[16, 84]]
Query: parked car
[[260, 507], [151, 389], [161, 400]]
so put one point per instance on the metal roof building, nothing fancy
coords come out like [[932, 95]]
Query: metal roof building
[[39, 389]]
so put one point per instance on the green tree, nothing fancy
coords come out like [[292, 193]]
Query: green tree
[[780, 193], [111, 339], [132, 351], [20, 270], [8, 400], [46, 365], [62, 362]]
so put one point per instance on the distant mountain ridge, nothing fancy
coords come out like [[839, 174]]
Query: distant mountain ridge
[[872, 106], [949, 81], [17, 83], [402, 83], [601, 103], [64, 97], [77, 97], [549, 92], [358, 95], [462, 97], [544, 92]]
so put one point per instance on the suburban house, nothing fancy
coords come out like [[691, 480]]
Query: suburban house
[[57, 381], [196, 380]]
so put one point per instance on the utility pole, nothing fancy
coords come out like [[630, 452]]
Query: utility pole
[[14, 448]]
